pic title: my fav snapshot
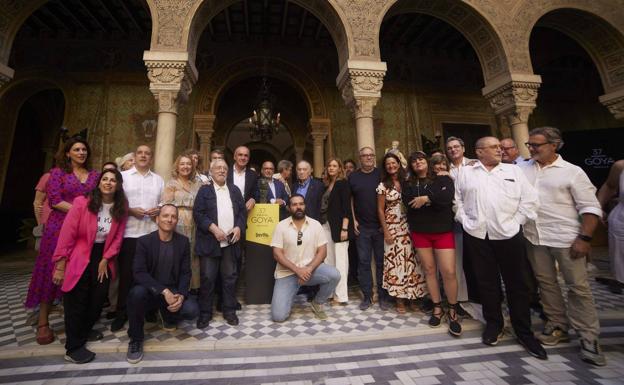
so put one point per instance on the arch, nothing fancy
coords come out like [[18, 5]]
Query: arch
[[182, 24], [213, 87], [13, 14], [12, 97], [481, 34], [598, 26]]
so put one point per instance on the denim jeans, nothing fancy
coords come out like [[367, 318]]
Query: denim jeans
[[286, 288], [370, 241]]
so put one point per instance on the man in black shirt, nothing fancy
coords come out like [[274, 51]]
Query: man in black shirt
[[363, 183], [162, 274]]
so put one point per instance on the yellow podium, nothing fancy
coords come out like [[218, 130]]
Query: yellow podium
[[259, 262]]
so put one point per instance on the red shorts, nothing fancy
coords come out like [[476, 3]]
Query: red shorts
[[433, 240]]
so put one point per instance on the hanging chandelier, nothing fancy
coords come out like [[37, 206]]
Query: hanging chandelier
[[262, 124]]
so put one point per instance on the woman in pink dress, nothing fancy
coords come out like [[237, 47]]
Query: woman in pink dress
[[70, 179]]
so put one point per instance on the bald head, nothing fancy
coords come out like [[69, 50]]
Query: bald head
[[488, 151], [304, 170]]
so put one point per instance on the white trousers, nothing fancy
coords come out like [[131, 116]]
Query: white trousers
[[338, 256]]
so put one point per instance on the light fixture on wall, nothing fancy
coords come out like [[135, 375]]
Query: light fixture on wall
[[149, 128], [262, 124]]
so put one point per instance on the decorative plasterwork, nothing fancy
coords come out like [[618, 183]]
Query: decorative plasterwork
[[173, 15], [363, 19], [171, 81], [515, 100], [615, 103], [319, 129], [360, 85]]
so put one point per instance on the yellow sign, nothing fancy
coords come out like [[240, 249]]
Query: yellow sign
[[261, 222]]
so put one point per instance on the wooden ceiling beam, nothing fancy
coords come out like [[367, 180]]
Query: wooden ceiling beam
[[246, 12], [319, 28], [92, 15], [132, 16], [46, 11], [109, 13], [73, 16], [41, 23], [228, 24], [303, 21], [284, 17]]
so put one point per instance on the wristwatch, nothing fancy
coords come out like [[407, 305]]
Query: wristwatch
[[585, 238]]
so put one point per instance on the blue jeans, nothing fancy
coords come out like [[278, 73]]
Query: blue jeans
[[370, 241], [286, 288]]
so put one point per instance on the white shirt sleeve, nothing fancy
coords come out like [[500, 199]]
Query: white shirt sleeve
[[529, 201]]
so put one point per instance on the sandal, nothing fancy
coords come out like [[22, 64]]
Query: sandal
[[45, 335], [400, 306], [453, 320], [436, 318]]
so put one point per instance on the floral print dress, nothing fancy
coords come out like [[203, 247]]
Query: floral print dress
[[402, 273]]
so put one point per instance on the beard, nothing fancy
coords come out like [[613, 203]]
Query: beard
[[299, 214]]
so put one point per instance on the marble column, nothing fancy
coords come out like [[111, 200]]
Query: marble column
[[203, 126], [614, 101], [360, 84], [513, 98], [171, 78], [6, 74], [319, 129]]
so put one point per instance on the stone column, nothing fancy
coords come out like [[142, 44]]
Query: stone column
[[6, 74], [360, 84], [299, 150], [513, 98], [319, 129], [171, 78], [203, 126], [614, 101]]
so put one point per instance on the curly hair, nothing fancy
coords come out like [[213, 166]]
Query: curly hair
[[176, 164], [120, 203], [64, 162]]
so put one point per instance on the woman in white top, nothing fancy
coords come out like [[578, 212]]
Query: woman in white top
[[88, 243]]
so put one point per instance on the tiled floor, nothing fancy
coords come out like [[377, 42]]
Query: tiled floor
[[391, 349]]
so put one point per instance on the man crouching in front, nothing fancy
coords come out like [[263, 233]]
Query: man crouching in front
[[162, 276], [299, 247]]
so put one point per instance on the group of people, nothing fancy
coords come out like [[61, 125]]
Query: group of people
[[443, 227]]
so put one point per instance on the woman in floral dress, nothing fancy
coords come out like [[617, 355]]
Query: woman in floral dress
[[181, 191], [71, 179], [402, 275]]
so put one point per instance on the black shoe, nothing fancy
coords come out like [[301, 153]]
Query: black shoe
[[436, 317], [231, 319], [366, 303], [533, 347], [454, 327], [135, 352], [81, 355], [118, 323], [203, 321], [492, 336], [239, 306], [95, 335], [426, 306], [384, 304], [461, 312], [111, 315]]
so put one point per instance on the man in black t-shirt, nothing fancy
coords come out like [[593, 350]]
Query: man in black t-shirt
[[363, 183]]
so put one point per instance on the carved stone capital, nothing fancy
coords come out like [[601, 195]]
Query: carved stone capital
[[171, 78], [6, 74], [614, 101], [319, 128], [515, 99], [360, 84], [204, 123]]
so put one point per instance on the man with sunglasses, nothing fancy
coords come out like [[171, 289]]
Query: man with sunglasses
[[299, 247]]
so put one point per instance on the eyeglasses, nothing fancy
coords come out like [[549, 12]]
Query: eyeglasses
[[367, 155], [492, 147], [535, 145], [299, 238], [454, 147], [507, 148]]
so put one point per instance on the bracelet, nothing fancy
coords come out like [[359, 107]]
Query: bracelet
[[345, 229], [59, 269]]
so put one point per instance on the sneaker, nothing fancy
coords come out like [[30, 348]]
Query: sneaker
[[533, 347], [551, 336], [81, 355], [491, 337], [317, 308], [366, 303], [135, 352], [118, 323], [166, 325], [591, 353]]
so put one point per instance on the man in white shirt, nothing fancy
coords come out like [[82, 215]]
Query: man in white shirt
[[220, 217], [300, 247], [143, 189], [493, 201], [511, 154], [556, 237]]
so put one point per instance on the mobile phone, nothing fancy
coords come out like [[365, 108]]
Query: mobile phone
[[229, 237]]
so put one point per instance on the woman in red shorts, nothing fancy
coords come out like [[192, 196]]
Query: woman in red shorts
[[429, 199]]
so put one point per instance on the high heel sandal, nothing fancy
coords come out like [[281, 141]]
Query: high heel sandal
[[45, 335], [454, 326], [436, 319]]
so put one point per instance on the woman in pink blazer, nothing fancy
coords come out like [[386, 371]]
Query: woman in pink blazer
[[89, 240]]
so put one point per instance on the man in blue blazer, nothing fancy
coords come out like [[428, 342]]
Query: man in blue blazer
[[270, 190], [311, 188], [220, 217]]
